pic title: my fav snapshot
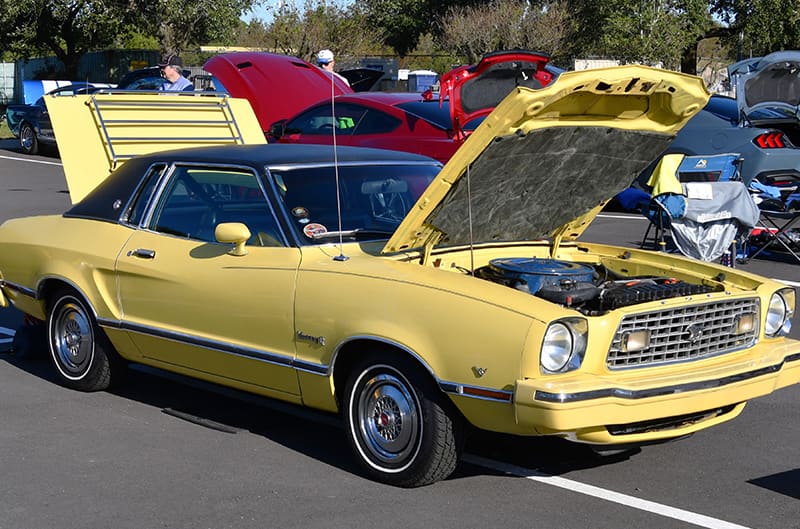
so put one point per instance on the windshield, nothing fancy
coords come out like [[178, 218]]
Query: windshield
[[374, 198]]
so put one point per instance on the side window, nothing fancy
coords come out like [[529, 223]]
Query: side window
[[143, 194], [319, 120], [197, 199], [374, 122]]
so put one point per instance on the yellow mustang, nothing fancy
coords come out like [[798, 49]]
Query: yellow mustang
[[414, 300]]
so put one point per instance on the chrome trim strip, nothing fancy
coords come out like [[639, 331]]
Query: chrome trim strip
[[19, 288], [351, 163], [565, 398], [256, 354]]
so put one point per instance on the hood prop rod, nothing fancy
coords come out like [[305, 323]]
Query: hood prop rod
[[469, 217]]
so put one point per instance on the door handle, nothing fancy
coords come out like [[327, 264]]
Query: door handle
[[142, 253]]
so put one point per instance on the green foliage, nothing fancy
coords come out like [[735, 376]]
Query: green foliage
[[507, 24], [181, 24], [64, 28], [318, 25], [640, 31]]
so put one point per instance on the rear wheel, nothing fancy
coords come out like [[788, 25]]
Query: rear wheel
[[79, 349], [401, 428], [28, 141]]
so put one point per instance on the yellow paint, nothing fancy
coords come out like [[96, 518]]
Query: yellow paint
[[98, 133]]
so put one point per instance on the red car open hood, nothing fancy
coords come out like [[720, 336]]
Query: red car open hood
[[475, 90], [277, 86]]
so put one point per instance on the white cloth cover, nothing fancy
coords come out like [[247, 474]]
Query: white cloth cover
[[716, 213]]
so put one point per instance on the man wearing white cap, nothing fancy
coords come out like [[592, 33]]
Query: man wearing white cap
[[326, 62]]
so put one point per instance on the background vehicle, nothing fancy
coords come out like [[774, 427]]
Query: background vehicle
[[31, 123], [396, 121], [408, 122], [144, 79], [761, 125], [277, 86]]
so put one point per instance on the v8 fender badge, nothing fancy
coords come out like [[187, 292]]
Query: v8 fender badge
[[319, 340]]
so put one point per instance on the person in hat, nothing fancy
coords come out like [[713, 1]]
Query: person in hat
[[325, 61], [172, 72]]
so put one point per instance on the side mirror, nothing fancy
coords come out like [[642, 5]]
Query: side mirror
[[278, 129], [234, 233]]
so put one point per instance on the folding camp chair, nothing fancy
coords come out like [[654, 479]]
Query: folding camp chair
[[704, 218]]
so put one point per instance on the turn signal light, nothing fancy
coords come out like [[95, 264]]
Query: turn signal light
[[770, 140]]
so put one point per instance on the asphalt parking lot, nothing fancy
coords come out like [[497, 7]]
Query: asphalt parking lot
[[165, 452]]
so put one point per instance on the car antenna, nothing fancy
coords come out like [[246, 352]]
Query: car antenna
[[341, 256]]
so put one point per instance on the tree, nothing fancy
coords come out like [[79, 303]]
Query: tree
[[641, 31], [64, 28], [404, 21], [69, 29], [179, 24], [505, 24], [319, 25], [759, 27]]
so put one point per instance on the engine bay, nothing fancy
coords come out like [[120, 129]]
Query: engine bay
[[588, 288]]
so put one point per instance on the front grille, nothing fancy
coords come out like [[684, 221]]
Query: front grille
[[684, 334]]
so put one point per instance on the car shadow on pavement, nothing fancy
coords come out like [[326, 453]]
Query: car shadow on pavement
[[786, 483], [313, 433]]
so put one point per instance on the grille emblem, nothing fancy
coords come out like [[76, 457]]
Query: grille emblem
[[693, 333]]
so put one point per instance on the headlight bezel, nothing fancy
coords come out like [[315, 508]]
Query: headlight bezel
[[780, 310], [563, 346]]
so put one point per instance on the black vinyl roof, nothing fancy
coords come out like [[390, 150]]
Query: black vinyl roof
[[107, 200]]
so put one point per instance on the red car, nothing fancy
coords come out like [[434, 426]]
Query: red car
[[277, 86], [408, 122]]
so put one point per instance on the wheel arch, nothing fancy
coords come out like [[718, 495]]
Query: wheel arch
[[349, 352], [51, 284]]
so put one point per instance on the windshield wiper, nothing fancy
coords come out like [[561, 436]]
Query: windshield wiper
[[356, 233]]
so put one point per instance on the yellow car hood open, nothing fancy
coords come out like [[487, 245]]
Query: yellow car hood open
[[97, 133], [544, 162]]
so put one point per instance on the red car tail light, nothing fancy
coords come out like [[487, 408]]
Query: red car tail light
[[770, 140]]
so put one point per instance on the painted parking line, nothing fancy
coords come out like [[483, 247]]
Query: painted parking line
[[19, 159], [633, 502]]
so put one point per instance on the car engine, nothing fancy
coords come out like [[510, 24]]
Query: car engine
[[591, 289]]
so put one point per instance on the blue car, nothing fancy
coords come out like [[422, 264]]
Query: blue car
[[31, 123], [761, 126]]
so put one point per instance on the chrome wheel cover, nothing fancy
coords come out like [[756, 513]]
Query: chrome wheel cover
[[389, 421], [72, 340], [26, 138]]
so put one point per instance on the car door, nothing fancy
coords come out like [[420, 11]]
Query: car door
[[192, 306]]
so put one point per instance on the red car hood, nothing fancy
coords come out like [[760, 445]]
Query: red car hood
[[475, 90], [277, 86]]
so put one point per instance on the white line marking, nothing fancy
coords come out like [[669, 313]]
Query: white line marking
[[6, 340], [605, 494], [792, 283], [627, 217], [18, 159], [6, 330]]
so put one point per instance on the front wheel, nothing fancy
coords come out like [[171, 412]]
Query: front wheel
[[78, 347], [401, 428], [28, 141]]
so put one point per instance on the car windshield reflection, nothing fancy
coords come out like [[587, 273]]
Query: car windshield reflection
[[373, 199]]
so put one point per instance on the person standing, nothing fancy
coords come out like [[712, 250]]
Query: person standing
[[325, 61], [172, 72]]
